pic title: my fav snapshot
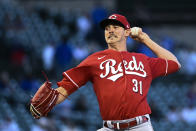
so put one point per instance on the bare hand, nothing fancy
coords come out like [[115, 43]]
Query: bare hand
[[138, 35]]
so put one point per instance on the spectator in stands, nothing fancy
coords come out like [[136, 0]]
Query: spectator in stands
[[93, 46], [2, 33], [63, 54], [29, 84], [190, 63], [141, 48], [65, 107], [145, 50], [70, 126], [183, 54], [188, 114], [48, 53], [80, 51], [46, 124], [80, 104], [156, 113], [5, 84], [97, 14], [168, 43], [173, 115], [7, 21], [9, 125], [17, 23], [192, 94], [37, 127], [17, 54], [83, 25]]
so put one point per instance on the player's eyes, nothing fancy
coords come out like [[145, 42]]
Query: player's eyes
[[114, 27], [106, 28]]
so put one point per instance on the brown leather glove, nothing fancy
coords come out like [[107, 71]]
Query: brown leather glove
[[44, 100]]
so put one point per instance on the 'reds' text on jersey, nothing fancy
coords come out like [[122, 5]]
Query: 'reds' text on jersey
[[121, 81]]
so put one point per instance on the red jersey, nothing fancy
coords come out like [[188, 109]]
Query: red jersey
[[121, 81]]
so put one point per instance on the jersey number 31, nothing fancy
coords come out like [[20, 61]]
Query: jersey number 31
[[137, 88]]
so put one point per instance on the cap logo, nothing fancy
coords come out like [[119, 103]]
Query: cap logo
[[113, 17]]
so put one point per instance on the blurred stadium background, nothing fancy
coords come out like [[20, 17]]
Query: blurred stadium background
[[55, 35]]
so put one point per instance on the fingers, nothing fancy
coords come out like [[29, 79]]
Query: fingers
[[138, 35]]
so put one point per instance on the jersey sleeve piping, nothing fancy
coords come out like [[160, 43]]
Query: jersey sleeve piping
[[71, 80]]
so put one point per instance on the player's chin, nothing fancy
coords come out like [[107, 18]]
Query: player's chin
[[110, 41]]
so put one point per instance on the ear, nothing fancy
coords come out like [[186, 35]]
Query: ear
[[127, 32]]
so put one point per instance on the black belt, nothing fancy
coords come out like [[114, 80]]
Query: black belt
[[125, 125]]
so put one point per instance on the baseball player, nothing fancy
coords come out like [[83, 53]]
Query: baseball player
[[121, 79]]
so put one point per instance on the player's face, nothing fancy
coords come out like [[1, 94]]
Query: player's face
[[114, 34]]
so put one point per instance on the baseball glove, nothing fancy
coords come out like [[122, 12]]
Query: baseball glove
[[44, 100]]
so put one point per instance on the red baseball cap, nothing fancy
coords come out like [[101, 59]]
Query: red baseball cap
[[115, 19]]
